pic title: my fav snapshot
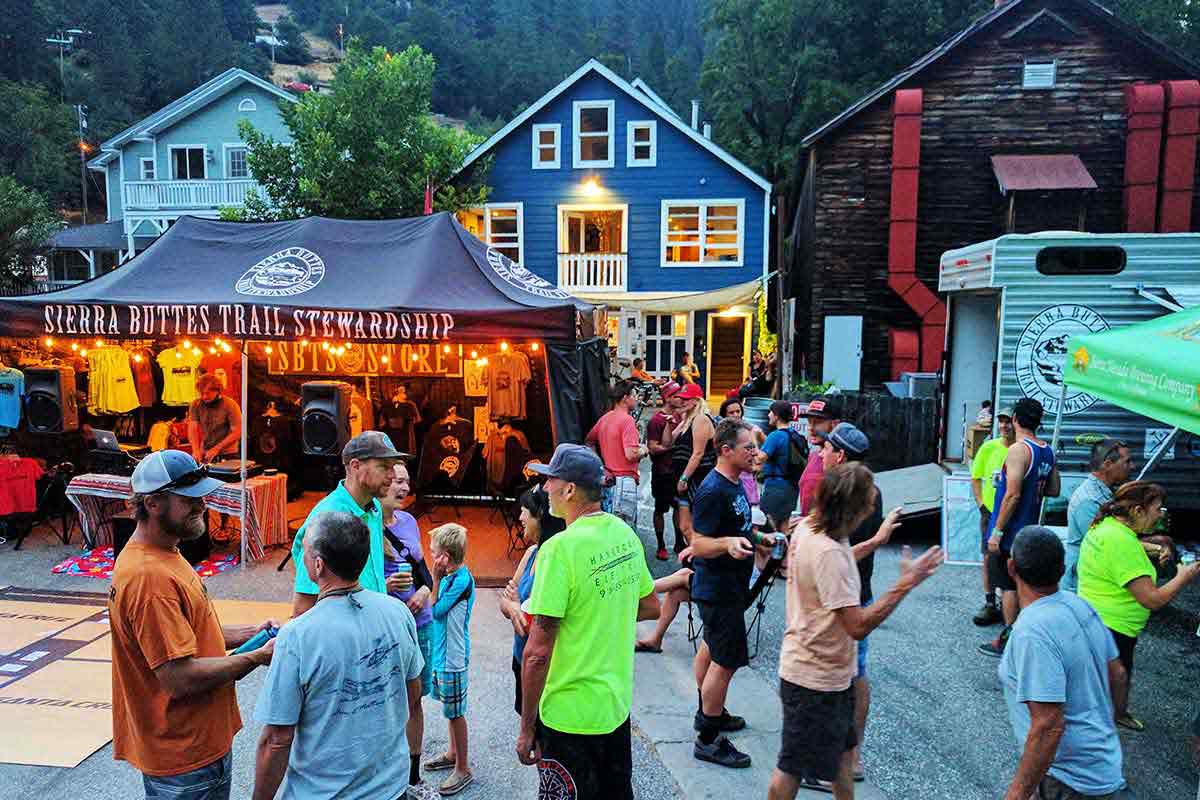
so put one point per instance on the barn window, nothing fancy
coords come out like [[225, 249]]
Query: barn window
[[1039, 74], [1081, 260]]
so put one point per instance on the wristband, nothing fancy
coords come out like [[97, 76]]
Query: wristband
[[997, 534]]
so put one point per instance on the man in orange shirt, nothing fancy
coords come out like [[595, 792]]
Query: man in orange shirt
[[174, 707]]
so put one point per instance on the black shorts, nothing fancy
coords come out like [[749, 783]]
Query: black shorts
[[725, 634], [778, 500], [817, 728], [997, 567], [662, 489], [585, 767], [1125, 647], [517, 674]]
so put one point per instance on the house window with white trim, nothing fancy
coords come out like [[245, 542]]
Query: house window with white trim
[[699, 233], [501, 225], [188, 164], [546, 149], [593, 137], [247, 105], [1039, 74], [235, 157], [146, 169], [641, 148]]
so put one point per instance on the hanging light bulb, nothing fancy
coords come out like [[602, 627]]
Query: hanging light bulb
[[304, 342], [187, 344], [178, 354], [483, 361], [445, 348], [225, 346], [341, 351], [349, 345], [504, 347], [75, 346], [534, 347], [137, 358], [474, 354], [83, 352], [324, 345], [217, 341], [268, 350], [196, 352], [384, 359], [99, 343], [212, 351], [416, 357], [49, 342]]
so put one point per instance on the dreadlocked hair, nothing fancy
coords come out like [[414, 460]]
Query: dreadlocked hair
[[842, 495]]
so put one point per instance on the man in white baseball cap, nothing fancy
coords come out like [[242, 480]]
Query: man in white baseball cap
[[174, 707]]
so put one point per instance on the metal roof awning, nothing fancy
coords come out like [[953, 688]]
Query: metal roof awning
[[102, 236], [678, 302], [1041, 173]]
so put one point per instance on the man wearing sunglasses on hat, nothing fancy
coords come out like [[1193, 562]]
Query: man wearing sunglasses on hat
[[174, 707], [1110, 466]]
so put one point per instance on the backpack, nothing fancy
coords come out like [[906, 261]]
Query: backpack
[[797, 456]]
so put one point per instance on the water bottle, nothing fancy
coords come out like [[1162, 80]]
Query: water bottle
[[780, 548], [258, 640]]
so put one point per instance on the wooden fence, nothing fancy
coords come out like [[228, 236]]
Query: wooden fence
[[903, 430]]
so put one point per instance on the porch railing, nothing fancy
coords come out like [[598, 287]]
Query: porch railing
[[160, 195], [593, 272]]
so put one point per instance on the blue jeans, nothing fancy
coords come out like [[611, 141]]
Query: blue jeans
[[206, 783]]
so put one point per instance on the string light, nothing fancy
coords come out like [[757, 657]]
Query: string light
[[49, 342], [340, 351], [349, 345], [212, 351], [83, 352], [504, 347], [304, 342], [384, 359], [482, 362], [268, 350], [534, 347], [445, 348], [474, 354], [137, 358], [75, 346], [416, 357], [178, 354], [217, 341], [196, 352], [187, 344], [99, 343], [225, 346], [324, 345]]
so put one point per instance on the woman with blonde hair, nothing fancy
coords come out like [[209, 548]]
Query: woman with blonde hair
[[1117, 577], [693, 454]]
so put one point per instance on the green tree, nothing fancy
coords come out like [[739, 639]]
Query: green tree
[[296, 51], [38, 140], [363, 150], [26, 222]]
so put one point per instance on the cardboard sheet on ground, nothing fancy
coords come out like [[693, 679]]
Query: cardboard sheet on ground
[[55, 674]]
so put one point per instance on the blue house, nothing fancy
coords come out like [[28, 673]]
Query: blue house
[[602, 189], [186, 158]]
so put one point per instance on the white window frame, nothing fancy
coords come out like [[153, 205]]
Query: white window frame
[[630, 159], [537, 147], [227, 149], [576, 111], [142, 163], [703, 206], [487, 209], [1053, 64], [247, 104], [171, 160], [652, 340]]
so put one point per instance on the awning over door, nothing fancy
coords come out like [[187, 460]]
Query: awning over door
[[679, 302], [1041, 173]]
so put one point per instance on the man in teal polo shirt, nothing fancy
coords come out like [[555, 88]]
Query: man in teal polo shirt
[[369, 459]]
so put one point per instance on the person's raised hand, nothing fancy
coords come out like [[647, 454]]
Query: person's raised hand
[[268, 624], [739, 548], [917, 570], [890, 523]]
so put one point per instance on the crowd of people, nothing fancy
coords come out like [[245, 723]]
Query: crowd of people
[[378, 623]]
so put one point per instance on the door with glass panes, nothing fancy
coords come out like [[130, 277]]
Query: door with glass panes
[[666, 342]]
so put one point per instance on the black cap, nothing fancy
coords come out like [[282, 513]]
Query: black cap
[[824, 406]]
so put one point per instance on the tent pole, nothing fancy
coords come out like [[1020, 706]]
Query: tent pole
[[1159, 453], [245, 437], [1062, 401]]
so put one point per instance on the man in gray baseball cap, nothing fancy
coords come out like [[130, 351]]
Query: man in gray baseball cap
[[368, 459], [174, 707]]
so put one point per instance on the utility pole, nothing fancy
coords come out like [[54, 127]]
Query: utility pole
[[64, 39], [274, 38], [341, 38], [81, 112]]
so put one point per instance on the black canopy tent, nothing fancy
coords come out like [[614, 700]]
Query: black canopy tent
[[424, 280]]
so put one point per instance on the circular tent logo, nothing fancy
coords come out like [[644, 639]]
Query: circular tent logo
[[291, 271], [521, 278], [1042, 351]]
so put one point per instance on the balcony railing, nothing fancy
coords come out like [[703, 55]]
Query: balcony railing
[[165, 195], [592, 272]]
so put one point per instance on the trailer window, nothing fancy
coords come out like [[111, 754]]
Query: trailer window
[[1081, 260]]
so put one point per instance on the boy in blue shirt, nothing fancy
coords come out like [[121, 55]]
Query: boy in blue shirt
[[453, 601]]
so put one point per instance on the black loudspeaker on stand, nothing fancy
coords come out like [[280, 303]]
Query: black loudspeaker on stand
[[50, 405], [325, 416]]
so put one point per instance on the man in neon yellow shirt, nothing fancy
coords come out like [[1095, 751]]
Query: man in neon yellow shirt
[[590, 590], [985, 472]]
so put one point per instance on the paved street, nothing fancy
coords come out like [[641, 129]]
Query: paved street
[[938, 727]]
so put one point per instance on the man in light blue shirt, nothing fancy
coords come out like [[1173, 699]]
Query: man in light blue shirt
[[1058, 671], [1110, 466], [344, 679]]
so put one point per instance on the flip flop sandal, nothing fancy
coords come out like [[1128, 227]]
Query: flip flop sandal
[[438, 763], [452, 787], [645, 648], [1129, 722], [860, 775]]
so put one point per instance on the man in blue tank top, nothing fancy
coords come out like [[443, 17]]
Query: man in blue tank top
[[1029, 475]]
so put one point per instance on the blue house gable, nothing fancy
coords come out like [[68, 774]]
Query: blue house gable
[[604, 191]]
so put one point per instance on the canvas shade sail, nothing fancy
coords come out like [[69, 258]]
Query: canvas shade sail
[[424, 280], [1151, 368]]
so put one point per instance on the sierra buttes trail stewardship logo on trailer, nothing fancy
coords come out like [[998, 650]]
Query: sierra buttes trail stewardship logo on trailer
[[288, 272], [1042, 353], [521, 278]]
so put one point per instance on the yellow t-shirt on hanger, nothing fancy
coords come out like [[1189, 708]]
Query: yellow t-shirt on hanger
[[179, 368]]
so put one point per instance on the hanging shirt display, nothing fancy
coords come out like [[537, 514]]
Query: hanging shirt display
[[111, 388], [507, 452], [143, 376], [398, 419], [12, 388], [507, 376], [227, 367], [180, 368], [447, 450]]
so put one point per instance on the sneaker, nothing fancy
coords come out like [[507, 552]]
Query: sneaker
[[988, 615], [995, 648], [661, 555], [729, 723], [721, 752]]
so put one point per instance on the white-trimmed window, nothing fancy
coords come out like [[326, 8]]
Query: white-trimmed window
[[247, 104], [236, 165], [188, 162], [703, 233], [501, 225], [146, 170], [547, 148], [641, 148], [1039, 74], [593, 136]]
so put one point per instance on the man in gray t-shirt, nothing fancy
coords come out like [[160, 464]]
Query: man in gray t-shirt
[[1057, 673], [342, 683]]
